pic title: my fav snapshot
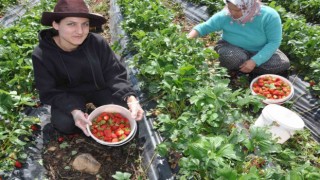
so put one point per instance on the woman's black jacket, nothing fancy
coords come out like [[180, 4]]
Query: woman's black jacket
[[62, 78]]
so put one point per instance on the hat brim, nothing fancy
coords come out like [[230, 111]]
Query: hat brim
[[95, 19]]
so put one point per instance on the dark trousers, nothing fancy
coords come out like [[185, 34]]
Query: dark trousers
[[64, 122], [231, 57]]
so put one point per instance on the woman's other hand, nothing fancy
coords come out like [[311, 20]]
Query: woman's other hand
[[135, 108], [192, 34], [81, 120], [247, 66]]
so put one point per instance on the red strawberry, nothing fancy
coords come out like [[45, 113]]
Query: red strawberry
[[127, 131], [122, 137], [113, 135], [106, 117], [119, 132], [312, 83], [34, 127], [115, 140], [60, 139], [17, 164]]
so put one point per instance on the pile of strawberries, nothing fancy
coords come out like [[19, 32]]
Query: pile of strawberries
[[271, 87], [110, 127]]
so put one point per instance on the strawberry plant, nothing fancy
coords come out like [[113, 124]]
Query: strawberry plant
[[5, 4], [18, 42], [201, 118], [307, 8], [313, 78], [153, 16], [14, 131], [17, 90]]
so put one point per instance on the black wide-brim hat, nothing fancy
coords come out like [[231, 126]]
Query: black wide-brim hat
[[72, 8]]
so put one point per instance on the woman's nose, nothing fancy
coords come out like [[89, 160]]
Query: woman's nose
[[80, 29]]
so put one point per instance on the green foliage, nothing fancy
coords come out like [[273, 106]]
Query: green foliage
[[18, 42], [199, 116], [308, 8], [6, 4], [14, 132], [121, 176], [153, 16], [298, 150], [17, 90], [314, 77], [300, 42]]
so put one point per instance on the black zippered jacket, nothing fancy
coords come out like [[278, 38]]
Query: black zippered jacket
[[62, 78]]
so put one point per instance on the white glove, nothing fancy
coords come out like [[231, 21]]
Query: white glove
[[81, 120], [136, 110]]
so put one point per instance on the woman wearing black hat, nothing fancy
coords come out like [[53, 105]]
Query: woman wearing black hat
[[73, 67]]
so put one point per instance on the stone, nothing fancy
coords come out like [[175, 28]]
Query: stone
[[52, 148], [86, 163]]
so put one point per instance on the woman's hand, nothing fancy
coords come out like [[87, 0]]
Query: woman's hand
[[247, 66], [81, 120], [192, 34], [135, 108]]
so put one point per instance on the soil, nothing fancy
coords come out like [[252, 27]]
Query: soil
[[60, 151]]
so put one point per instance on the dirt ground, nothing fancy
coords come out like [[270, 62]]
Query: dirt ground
[[60, 151]]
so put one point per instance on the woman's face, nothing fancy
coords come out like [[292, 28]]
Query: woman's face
[[235, 12], [72, 32]]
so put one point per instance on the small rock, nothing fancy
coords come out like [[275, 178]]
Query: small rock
[[86, 163], [52, 148], [80, 141]]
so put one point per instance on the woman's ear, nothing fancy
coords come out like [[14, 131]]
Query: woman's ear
[[55, 25]]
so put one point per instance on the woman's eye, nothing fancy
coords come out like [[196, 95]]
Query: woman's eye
[[71, 24]]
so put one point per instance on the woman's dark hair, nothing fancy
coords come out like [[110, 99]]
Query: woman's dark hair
[[227, 1]]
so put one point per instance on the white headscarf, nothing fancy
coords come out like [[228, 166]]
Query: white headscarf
[[249, 9]]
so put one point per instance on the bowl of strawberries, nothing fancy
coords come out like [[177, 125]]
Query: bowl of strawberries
[[112, 125], [274, 88]]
